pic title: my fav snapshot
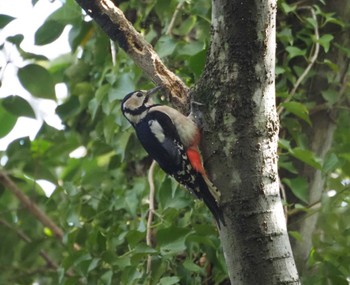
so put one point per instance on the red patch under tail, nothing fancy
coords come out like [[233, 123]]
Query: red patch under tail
[[195, 159]]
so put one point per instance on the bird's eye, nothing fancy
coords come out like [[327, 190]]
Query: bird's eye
[[139, 94]]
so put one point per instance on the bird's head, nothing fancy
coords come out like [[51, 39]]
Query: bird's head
[[136, 104]]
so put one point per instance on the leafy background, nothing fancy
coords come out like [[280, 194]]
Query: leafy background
[[101, 198]]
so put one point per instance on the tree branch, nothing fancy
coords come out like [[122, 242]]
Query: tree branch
[[112, 20], [30, 205], [33, 208], [172, 21]]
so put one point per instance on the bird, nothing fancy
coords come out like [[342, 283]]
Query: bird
[[172, 140]]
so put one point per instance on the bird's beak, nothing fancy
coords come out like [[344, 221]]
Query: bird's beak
[[153, 90]]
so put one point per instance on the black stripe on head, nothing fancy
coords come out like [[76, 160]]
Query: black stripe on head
[[135, 112]]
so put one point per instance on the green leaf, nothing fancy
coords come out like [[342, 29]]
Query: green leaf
[[69, 13], [296, 235], [169, 280], [100, 95], [68, 109], [298, 109], [78, 72], [288, 165], [54, 25], [288, 8], [186, 26], [286, 35], [18, 106], [4, 20], [331, 161], [197, 62], [330, 95], [191, 48], [172, 240], [332, 18], [312, 21], [295, 52], [122, 141], [32, 56], [279, 70], [48, 32], [325, 41], [331, 65], [299, 187], [37, 80], [8, 121], [79, 33], [83, 89], [307, 156], [124, 85], [16, 39], [192, 267], [166, 46], [134, 237], [93, 264], [145, 249], [285, 144], [106, 278]]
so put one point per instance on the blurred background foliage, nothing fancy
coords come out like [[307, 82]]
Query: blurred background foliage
[[100, 199]]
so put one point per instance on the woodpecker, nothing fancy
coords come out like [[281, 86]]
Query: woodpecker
[[172, 140]]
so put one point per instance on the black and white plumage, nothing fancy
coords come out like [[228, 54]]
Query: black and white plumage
[[171, 139]]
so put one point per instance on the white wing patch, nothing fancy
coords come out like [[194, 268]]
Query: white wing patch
[[157, 130], [185, 126]]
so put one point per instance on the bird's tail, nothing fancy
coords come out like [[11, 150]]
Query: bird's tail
[[211, 197]]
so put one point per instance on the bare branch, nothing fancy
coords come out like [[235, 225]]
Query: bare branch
[[118, 28], [49, 261], [30, 205], [150, 213], [113, 53], [172, 21]]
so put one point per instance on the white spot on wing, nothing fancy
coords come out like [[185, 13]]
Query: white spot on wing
[[157, 130], [185, 126]]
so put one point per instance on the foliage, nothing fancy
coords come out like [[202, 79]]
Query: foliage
[[301, 29], [101, 198]]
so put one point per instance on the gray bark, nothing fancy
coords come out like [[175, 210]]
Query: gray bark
[[240, 141]]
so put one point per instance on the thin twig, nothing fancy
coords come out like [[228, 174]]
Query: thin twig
[[316, 206], [284, 198], [113, 52], [172, 21], [311, 63], [32, 207], [310, 209], [49, 261], [150, 213]]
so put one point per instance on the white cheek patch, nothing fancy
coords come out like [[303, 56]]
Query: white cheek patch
[[157, 130], [129, 117]]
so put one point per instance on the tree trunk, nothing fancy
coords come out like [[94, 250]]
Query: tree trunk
[[240, 141]]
